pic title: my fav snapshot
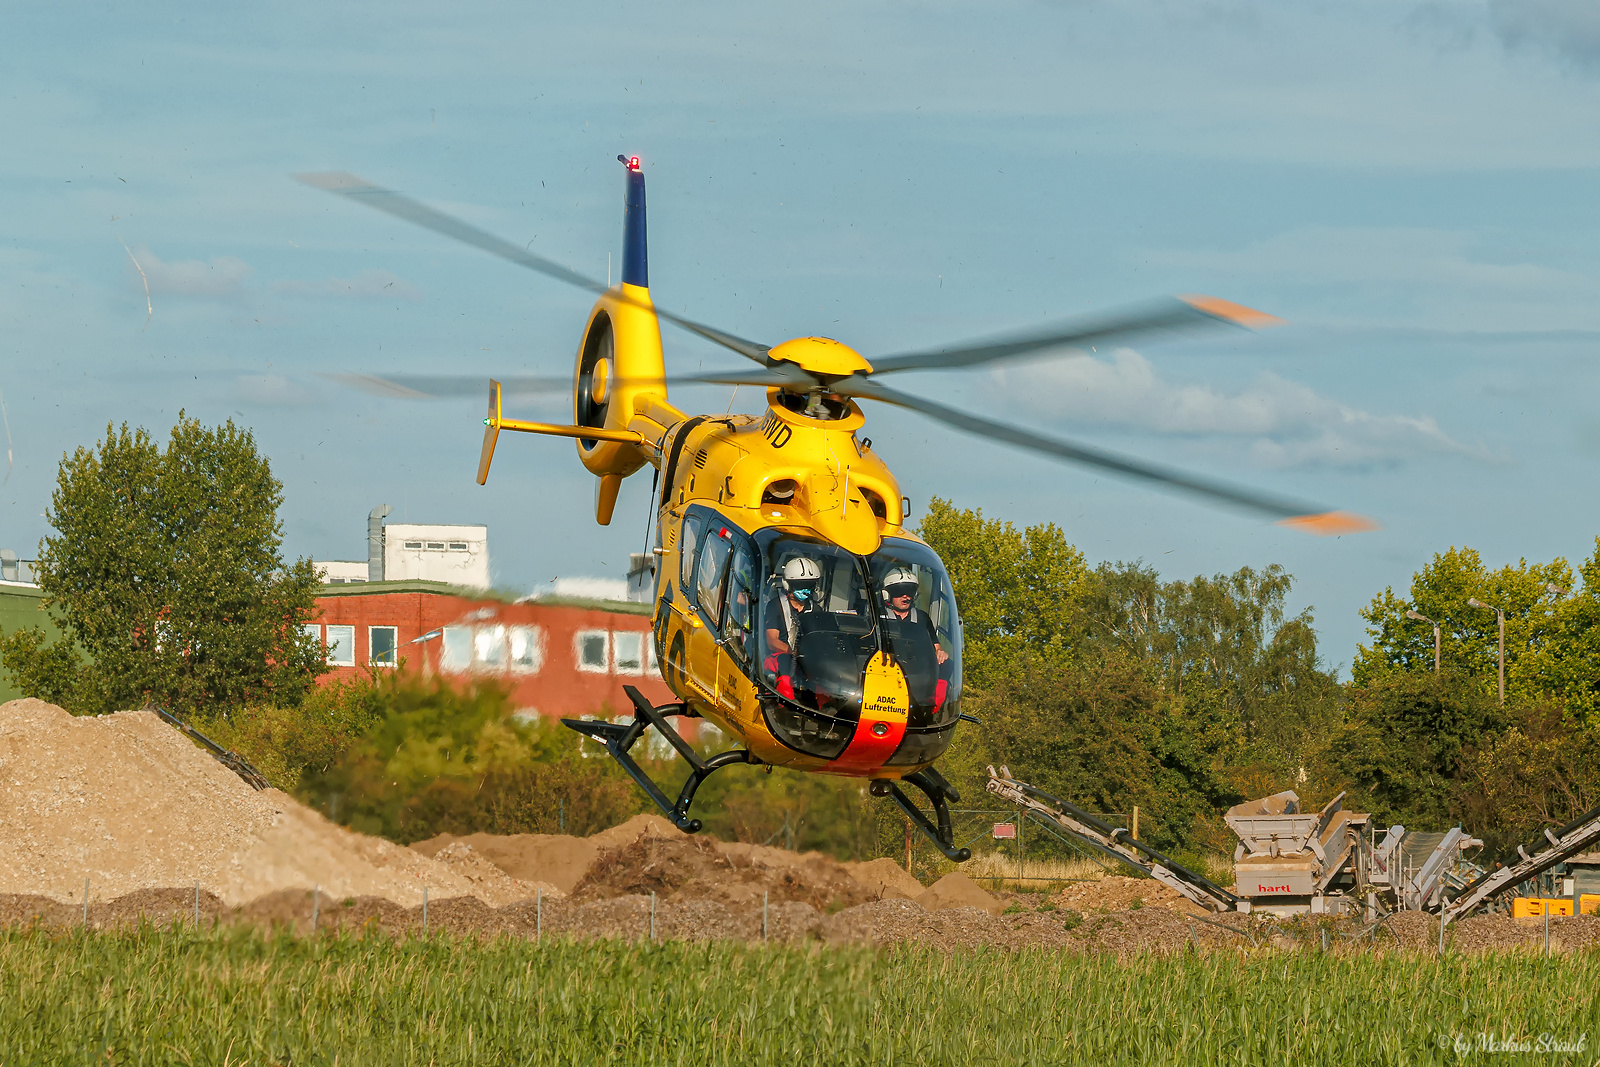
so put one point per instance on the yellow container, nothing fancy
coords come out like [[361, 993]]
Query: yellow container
[[1534, 907]]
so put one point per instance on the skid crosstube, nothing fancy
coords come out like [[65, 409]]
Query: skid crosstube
[[620, 737], [937, 790]]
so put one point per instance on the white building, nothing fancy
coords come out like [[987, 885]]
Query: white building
[[341, 571], [455, 555]]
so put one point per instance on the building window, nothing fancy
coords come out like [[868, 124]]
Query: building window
[[458, 546], [527, 649], [629, 650], [342, 646], [456, 656], [594, 647], [489, 647], [413, 544], [312, 630], [435, 544], [651, 667], [382, 645]]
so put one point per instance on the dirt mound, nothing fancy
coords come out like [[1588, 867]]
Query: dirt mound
[[886, 879], [557, 860], [956, 890], [684, 867], [128, 803], [1114, 892]]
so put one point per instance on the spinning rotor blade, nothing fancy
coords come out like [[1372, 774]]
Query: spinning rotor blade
[[430, 386], [401, 206], [1171, 314], [1287, 512]]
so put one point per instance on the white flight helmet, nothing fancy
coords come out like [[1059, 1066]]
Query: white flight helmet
[[895, 582], [801, 572]]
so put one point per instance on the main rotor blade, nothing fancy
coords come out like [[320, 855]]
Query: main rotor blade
[[437, 386], [1287, 512], [1174, 313], [401, 206]]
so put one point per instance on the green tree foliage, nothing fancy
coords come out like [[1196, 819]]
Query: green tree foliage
[[1409, 742], [165, 571], [1469, 636], [1018, 591], [1121, 689], [1101, 733]]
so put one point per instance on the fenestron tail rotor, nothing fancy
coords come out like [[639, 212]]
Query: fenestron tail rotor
[[819, 366]]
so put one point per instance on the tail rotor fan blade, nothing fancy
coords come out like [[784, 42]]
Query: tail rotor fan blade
[[1286, 512]]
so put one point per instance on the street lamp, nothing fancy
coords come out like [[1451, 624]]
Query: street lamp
[[1500, 613], [1423, 618]]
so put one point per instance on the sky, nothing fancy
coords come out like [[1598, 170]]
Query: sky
[[1412, 187]]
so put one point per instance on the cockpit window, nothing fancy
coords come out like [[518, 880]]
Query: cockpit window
[[917, 611], [817, 621]]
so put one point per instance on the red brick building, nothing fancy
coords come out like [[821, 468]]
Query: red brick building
[[561, 656]]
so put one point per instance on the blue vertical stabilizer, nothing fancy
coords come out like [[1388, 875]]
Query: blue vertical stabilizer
[[635, 256]]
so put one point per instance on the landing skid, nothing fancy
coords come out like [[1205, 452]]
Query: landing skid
[[620, 737], [937, 790]]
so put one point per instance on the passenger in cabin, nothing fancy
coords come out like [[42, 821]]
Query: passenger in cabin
[[802, 586]]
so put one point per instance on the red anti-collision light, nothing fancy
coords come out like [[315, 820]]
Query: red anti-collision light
[[723, 533], [633, 162]]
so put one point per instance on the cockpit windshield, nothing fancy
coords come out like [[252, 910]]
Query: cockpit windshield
[[917, 613], [825, 613], [818, 622]]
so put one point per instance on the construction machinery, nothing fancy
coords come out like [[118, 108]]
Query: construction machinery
[[1333, 861]]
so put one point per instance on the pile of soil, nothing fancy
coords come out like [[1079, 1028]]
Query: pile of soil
[[886, 879], [553, 859], [701, 868], [956, 890], [1117, 892], [128, 803]]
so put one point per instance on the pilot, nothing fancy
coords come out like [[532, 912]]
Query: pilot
[[900, 586], [802, 587], [899, 596]]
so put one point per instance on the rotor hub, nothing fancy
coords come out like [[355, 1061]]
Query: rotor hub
[[821, 356]]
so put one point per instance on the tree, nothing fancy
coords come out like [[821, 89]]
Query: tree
[[1410, 741], [1470, 636], [1016, 590], [165, 571]]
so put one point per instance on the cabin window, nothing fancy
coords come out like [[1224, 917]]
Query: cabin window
[[687, 543], [738, 616], [713, 564], [382, 645]]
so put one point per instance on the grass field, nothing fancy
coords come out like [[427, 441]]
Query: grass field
[[237, 996]]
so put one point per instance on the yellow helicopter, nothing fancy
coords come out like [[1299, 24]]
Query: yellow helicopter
[[793, 608]]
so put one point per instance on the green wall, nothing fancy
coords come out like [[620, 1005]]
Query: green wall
[[20, 608]]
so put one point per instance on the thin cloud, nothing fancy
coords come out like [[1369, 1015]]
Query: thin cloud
[[366, 285], [223, 276], [1282, 423], [1566, 29]]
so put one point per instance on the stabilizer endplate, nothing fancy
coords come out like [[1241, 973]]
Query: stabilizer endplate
[[491, 432]]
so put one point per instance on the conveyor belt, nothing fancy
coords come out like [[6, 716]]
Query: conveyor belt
[[1113, 841], [1557, 847]]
